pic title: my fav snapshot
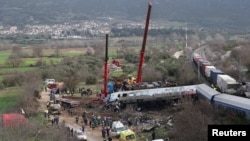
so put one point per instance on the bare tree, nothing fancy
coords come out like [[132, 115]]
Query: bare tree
[[17, 50], [190, 124], [150, 74], [37, 51], [70, 78], [14, 60], [90, 51], [99, 49], [57, 51], [186, 74], [32, 82], [34, 130]]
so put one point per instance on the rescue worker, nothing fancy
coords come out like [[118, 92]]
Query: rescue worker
[[48, 104], [52, 121], [212, 85], [153, 135], [107, 130], [56, 119], [85, 121], [72, 131], [103, 133], [45, 113], [77, 119], [90, 123], [109, 138]]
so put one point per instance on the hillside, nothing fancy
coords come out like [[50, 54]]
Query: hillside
[[206, 13]]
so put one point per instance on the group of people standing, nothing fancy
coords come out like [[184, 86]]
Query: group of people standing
[[106, 133]]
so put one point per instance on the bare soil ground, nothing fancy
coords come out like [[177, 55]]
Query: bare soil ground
[[69, 121]]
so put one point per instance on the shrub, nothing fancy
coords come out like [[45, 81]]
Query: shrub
[[91, 80]]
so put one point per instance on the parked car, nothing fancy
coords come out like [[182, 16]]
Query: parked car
[[80, 135]]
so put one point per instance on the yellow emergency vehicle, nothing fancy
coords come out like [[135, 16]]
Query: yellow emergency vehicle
[[127, 135]]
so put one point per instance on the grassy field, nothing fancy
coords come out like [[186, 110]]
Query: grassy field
[[29, 63], [9, 96], [8, 99], [32, 61], [4, 55]]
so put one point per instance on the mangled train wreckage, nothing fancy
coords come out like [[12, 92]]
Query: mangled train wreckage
[[160, 96]]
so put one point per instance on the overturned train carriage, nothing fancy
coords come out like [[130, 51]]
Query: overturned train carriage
[[160, 96]]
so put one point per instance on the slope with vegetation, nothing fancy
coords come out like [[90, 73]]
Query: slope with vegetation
[[228, 14]]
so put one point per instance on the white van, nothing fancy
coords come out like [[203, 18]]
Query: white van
[[116, 128], [158, 140], [50, 81]]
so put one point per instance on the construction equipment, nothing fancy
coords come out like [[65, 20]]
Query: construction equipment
[[139, 72], [105, 91], [131, 80], [116, 63]]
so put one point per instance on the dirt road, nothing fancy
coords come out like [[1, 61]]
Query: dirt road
[[92, 135]]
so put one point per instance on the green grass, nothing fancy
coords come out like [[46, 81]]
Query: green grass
[[71, 54], [9, 97], [33, 61], [28, 63], [4, 55], [117, 73]]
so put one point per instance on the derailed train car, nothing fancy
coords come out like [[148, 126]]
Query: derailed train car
[[231, 104], [159, 96]]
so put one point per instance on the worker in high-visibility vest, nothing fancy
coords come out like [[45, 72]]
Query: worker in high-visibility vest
[[48, 104], [213, 87]]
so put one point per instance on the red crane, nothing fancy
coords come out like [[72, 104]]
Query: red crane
[[139, 72]]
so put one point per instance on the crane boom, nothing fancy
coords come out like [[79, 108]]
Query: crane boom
[[105, 91], [139, 72]]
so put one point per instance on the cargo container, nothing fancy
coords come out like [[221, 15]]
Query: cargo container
[[214, 74], [208, 70], [196, 59], [201, 61], [226, 82], [203, 67]]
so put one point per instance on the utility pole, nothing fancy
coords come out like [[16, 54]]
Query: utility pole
[[240, 69], [186, 36]]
